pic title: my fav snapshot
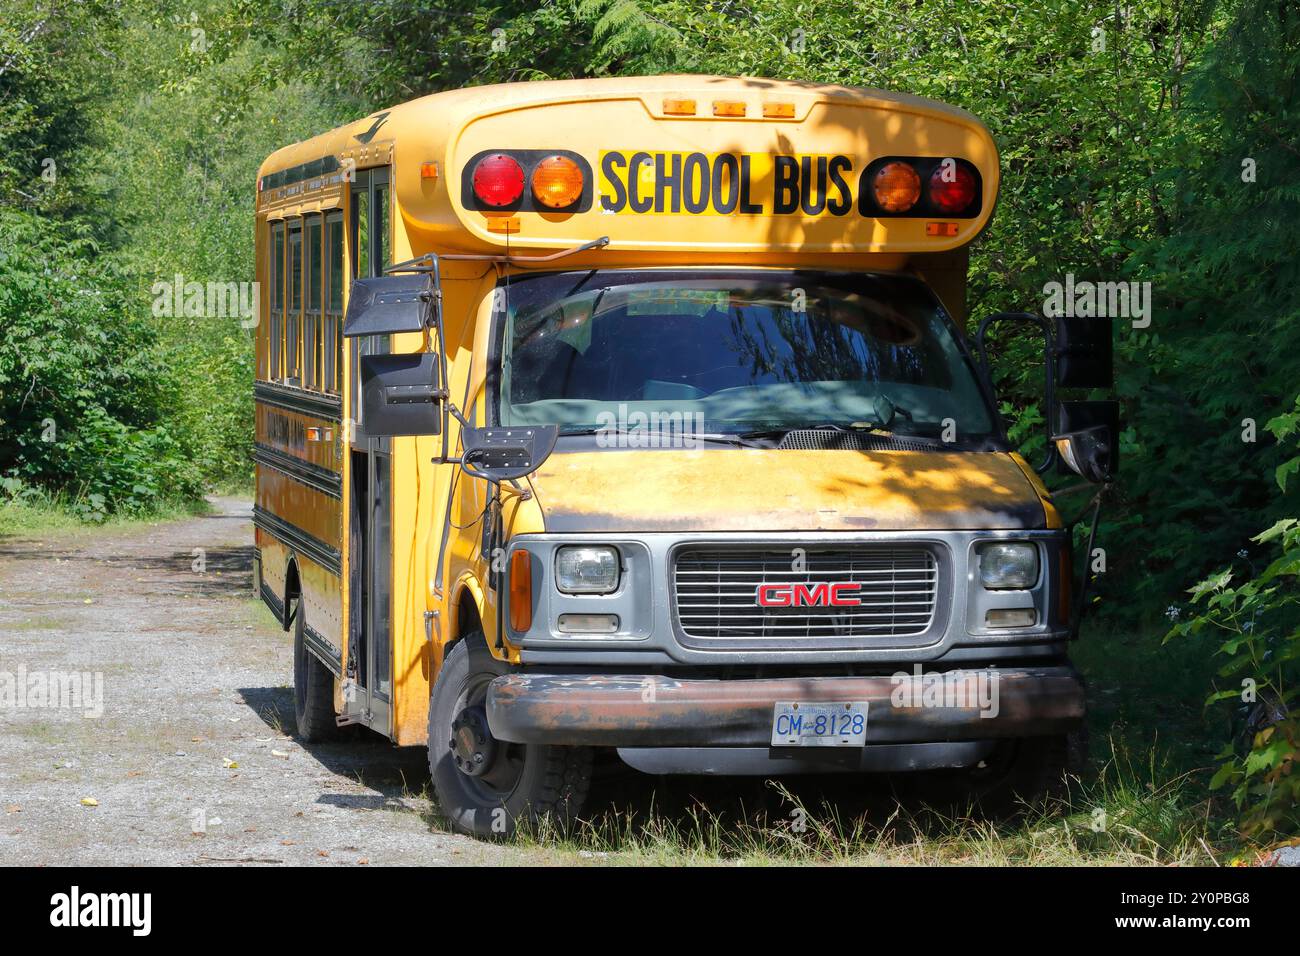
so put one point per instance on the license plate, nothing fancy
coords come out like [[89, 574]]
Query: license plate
[[798, 723]]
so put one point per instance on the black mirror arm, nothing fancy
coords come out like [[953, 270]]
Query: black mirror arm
[[1049, 371], [1076, 613]]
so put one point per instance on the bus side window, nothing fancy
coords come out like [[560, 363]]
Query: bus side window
[[275, 277], [333, 345], [372, 251], [311, 338], [360, 233], [293, 321], [383, 241]]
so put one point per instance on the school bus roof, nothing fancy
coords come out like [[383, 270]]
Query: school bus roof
[[676, 163]]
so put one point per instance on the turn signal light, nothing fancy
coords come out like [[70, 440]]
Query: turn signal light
[[521, 591], [896, 186], [498, 180], [952, 187], [557, 182]]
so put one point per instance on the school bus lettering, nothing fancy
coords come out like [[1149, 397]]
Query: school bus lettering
[[688, 490], [721, 184], [758, 184]]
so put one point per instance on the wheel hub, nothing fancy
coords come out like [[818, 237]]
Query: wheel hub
[[472, 746]]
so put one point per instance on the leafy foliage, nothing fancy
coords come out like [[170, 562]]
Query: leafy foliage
[[80, 397], [1257, 623]]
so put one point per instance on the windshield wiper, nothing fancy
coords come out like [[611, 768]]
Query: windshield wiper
[[782, 430], [669, 440]]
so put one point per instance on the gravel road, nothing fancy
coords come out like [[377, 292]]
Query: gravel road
[[191, 760]]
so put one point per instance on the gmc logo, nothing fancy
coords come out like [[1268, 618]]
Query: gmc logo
[[809, 595]]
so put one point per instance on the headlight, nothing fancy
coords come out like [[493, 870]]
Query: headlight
[[586, 570], [1008, 565]]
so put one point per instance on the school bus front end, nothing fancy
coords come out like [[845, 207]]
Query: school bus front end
[[709, 476]]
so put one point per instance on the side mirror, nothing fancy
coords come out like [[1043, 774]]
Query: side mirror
[[1088, 439], [1085, 352], [390, 305], [502, 454], [400, 395]]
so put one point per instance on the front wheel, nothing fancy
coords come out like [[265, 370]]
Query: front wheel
[[488, 787]]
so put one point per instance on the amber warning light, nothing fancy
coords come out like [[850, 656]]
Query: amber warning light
[[557, 182]]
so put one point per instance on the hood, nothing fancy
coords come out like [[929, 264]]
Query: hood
[[745, 489]]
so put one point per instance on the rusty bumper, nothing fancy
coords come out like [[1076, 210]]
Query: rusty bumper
[[621, 710]]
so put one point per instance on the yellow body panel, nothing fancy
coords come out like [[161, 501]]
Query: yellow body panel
[[438, 568], [753, 489]]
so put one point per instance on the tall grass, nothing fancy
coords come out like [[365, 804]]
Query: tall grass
[[1135, 810]]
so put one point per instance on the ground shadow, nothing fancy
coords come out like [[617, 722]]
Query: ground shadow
[[391, 772], [902, 807], [199, 572]]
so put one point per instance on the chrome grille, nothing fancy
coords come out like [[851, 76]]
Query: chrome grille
[[717, 592]]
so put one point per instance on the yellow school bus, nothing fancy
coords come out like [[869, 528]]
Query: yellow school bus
[[639, 419]]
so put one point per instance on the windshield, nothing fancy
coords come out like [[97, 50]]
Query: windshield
[[735, 352]]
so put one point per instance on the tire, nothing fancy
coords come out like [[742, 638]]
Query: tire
[[1031, 771], [511, 785], [313, 689]]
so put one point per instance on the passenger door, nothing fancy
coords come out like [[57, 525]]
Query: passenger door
[[370, 545]]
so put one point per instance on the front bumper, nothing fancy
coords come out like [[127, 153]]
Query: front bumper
[[622, 710]]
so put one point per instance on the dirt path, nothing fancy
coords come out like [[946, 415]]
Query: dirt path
[[197, 708]]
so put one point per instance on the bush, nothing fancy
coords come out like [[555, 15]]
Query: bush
[[82, 394], [1258, 625]]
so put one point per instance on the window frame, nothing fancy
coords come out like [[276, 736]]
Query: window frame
[[374, 188], [292, 374], [275, 249], [332, 348], [313, 286]]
